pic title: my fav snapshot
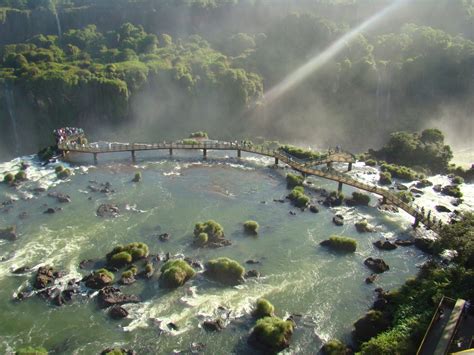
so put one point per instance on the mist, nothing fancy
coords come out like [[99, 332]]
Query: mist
[[219, 67]]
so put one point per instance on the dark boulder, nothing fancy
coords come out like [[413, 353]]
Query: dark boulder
[[423, 183], [385, 245], [8, 233], [111, 296], [376, 265], [438, 188], [60, 197], [314, 208], [424, 244], [251, 273], [97, 281], [370, 279], [400, 187], [404, 242], [380, 304], [108, 210], [213, 325], [118, 312], [164, 237], [338, 220], [50, 211], [373, 323], [86, 264], [416, 191], [252, 262], [44, 277], [442, 209], [172, 326]]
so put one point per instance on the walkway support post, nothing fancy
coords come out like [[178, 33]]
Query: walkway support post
[[329, 164], [349, 168], [417, 222], [204, 153], [239, 153], [339, 187], [95, 158], [133, 156], [276, 161], [171, 151], [384, 200]]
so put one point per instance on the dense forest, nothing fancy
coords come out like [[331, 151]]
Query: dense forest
[[158, 69]]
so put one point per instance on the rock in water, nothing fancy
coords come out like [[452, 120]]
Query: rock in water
[[213, 325], [118, 312], [442, 209], [376, 265], [8, 233], [111, 296], [385, 245], [371, 279], [45, 276], [108, 210], [338, 220], [251, 273]]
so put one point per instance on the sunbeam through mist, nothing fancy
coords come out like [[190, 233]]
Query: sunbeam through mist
[[322, 58]]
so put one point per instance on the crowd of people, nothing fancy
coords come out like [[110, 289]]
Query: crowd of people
[[62, 134]]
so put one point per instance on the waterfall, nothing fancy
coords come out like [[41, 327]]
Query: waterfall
[[11, 112], [388, 98], [58, 23], [378, 95]]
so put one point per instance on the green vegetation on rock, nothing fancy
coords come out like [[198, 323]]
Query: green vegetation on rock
[[340, 243], [300, 153], [272, 334], [334, 347], [213, 230], [123, 255], [298, 197], [20, 176], [263, 309], [174, 273], [293, 180], [63, 174], [9, 178], [137, 177], [225, 270], [385, 178], [251, 227], [425, 149], [400, 172]]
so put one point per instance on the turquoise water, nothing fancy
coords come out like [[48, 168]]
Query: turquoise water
[[298, 276]]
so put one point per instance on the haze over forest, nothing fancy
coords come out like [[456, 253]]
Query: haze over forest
[[149, 70]]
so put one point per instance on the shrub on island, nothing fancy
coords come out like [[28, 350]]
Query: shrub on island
[[174, 273], [20, 176], [9, 178], [340, 243], [202, 239], [334, 347], [400, 172], [225, 270], [263, 309], [213, 230], [251, 227], [29, 350], [385, 178], [358, 199], [63, 174], [298, 197], [457, 180], [293, 180], [123, 255], [271, 334], [370, 162], [198, 134], [452, 190], [137, 177]]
